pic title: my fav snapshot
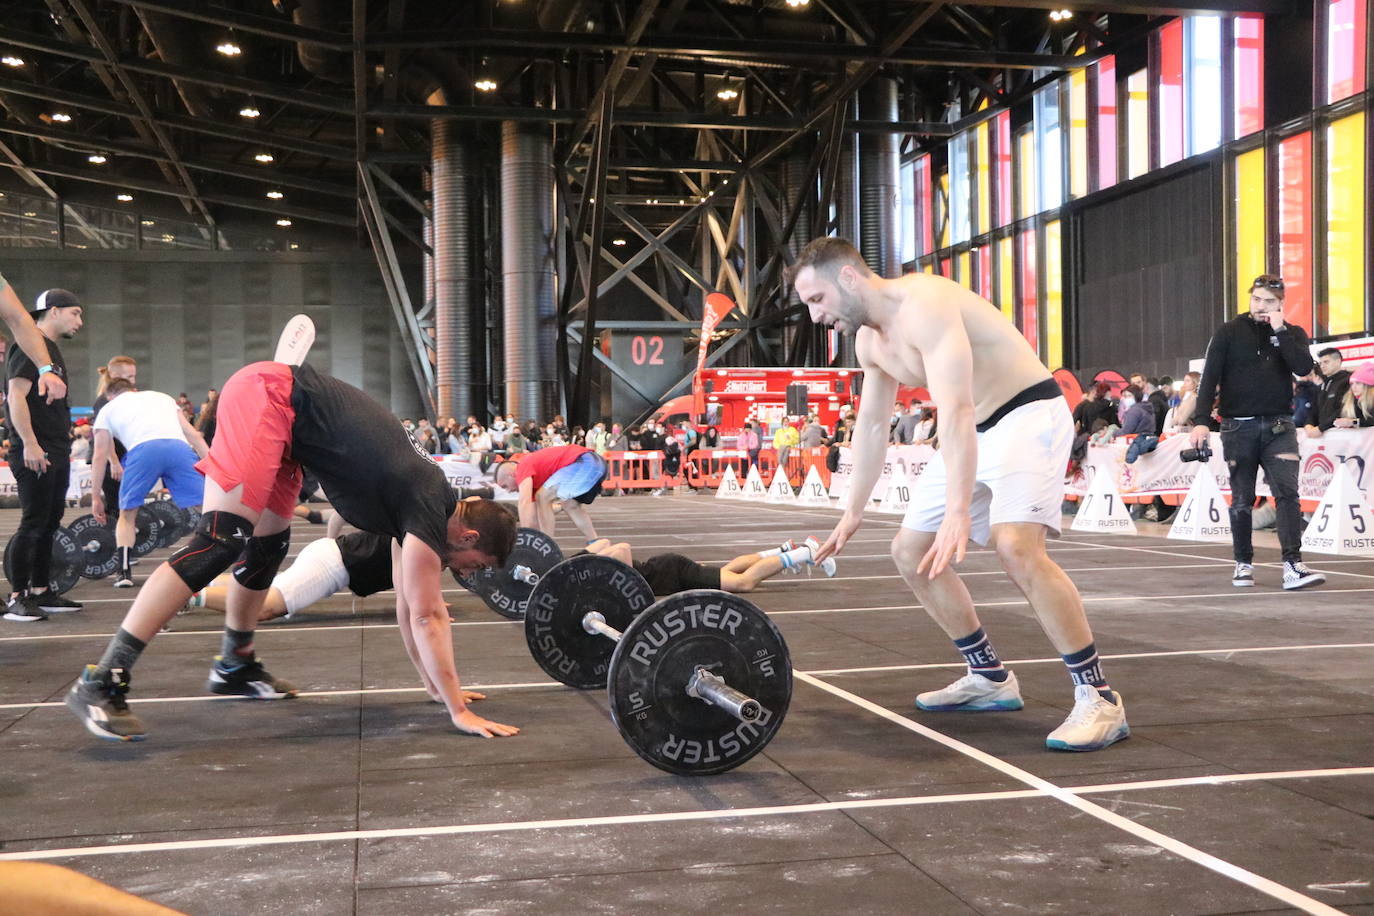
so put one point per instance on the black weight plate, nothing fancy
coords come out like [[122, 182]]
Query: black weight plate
[[147, 531], [95, 545], [657, 657], [565, 594], [169, 519], [190, 518], [65, 570], [499, 588]]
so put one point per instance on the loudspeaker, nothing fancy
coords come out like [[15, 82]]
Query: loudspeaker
[[709, 385], [839, 386], [796, 400], [856, 385]]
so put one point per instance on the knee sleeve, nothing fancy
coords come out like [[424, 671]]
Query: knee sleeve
[[261, 560], [218, 540]]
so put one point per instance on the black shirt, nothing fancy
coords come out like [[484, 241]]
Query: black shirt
[[375, 474], [1254, 366], [51, 422], [1332, 396], [367, 557]]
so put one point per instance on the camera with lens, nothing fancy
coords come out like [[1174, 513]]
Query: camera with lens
[[1202, 453]]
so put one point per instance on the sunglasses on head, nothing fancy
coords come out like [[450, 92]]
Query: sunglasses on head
[[1268, 282]]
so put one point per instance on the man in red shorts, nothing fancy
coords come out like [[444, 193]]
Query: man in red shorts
[[567, 473], [273, 419]]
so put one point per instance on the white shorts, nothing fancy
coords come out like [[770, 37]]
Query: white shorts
[[1020, 475], [317, 573]]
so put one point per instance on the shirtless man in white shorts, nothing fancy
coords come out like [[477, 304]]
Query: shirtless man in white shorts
[[998, 478]]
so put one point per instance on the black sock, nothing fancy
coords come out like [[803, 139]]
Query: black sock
[[122, 652], [124, 566], [981, 656], [237, 647]]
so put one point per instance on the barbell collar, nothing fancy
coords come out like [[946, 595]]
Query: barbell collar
[[712, 689]]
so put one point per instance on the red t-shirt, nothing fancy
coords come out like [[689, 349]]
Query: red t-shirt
[[542, 464]]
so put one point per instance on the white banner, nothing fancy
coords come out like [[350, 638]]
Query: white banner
[[78, 485], [1162, 472]]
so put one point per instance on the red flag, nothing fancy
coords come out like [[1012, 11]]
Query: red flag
[[717, 306]]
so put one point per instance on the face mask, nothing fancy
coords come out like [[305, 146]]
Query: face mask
[[1128, 401]]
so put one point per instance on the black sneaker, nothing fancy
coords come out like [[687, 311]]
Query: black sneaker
[[125, 579], [100, 705], [24, 609], [54, 603], [247, 679]]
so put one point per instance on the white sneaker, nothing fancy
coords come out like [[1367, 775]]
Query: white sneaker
[[1093, 724], [973, 693], [828, 564], [1244, 575], [1298, 575]]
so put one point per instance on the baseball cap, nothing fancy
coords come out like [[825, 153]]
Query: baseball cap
[[54, 299], [1364, 375]]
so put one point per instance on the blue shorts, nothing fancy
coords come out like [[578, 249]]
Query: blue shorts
[[580, 480], [171, 459]]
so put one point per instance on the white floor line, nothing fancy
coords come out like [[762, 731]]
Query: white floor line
[[823, 672], [1177, 847], [909, 801], [1101, 599], [830, 672]]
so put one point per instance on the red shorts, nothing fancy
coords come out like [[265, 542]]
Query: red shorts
[[253, 439]]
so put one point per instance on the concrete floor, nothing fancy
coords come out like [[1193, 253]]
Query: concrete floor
[[1247, 785]]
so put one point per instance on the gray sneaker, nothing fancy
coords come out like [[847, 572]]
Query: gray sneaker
[[24, 609], [101, 707], [1244, 576]]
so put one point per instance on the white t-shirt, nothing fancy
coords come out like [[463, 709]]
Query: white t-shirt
[[136, 417]]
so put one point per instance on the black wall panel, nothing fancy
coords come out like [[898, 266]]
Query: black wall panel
[[1147, 273]]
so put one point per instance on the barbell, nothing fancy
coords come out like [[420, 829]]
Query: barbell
[[698, 682]]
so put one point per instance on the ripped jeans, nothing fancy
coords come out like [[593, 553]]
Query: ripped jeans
[[1271, 443]]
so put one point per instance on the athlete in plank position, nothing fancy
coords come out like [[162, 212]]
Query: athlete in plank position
[[274, 419], [998, 477], [670, 573]]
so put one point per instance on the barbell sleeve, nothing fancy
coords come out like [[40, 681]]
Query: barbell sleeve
[[594, 623], [712, 688]]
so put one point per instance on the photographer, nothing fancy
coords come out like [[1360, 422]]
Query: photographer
[[1253, 359]]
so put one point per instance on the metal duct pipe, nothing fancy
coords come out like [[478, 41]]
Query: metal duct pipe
[[324, 63], [796, 175], [879, 187], [847, 222], [527, 271], [456, 276]]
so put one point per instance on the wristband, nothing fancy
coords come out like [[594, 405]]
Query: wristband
[[43, 370]]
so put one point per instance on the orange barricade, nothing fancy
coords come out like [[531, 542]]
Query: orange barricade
[[706, 467], [633, 471]]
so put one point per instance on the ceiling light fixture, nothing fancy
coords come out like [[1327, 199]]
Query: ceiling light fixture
[[485, 84], [275, 195], [727, 94], [9, 60], [124, 198], [148, 222], [618, 242], [1061, 15], [263, 157], [284, 222], [60, 116], [97, 159], [798, 4], [249, 111], [228, 48]]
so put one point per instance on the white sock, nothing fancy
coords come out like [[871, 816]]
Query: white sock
[[799, 557], [772, 552]]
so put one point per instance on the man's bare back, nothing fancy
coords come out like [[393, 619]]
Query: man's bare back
[[1003, 362]]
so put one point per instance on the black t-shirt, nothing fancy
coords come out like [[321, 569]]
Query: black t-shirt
[[670, 573], [374, 473], [51, 422], [367, 557]]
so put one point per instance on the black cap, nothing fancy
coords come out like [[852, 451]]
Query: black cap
[[54, 299]]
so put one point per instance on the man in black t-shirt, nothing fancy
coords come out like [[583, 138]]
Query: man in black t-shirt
[[274, 419], [40, 458]]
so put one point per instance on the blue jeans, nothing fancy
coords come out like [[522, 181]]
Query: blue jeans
[[1248, 445]]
